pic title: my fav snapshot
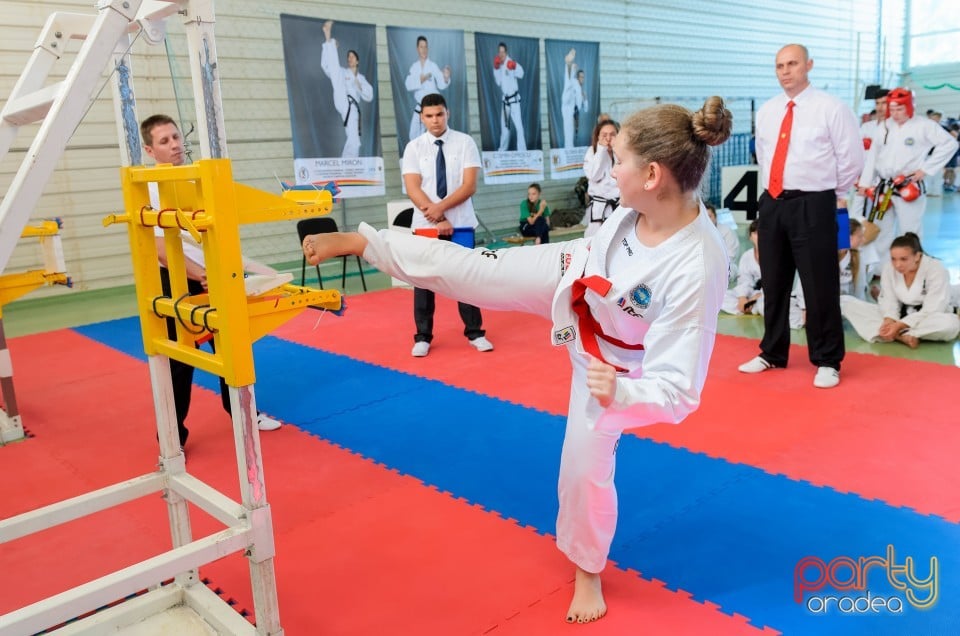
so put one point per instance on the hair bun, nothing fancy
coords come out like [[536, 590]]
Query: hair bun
[[712, 123]]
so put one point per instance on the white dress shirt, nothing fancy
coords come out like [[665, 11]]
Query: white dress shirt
[[825, 151], [460, 153]]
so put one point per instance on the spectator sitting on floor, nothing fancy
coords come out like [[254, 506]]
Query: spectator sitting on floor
[[746, 297], [535, 215], [914, 303]]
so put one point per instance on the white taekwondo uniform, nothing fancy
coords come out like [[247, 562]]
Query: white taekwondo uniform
[[666, 298], [573, 101], [925, 306], [603, 193], [510, 105], [901, 150], [434, 83], [348, 89], [748, 285], [732, 242]]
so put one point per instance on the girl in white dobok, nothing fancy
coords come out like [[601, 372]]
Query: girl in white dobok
[[636, 306], [914, 301], [603, 194]]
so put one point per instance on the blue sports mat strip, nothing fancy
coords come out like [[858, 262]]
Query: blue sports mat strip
[[727, 533]]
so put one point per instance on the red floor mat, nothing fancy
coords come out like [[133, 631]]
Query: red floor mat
[[361, 549]]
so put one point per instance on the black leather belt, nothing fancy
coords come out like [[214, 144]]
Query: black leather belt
[[794, 194]]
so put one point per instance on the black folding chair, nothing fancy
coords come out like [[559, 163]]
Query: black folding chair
[[323, 225]]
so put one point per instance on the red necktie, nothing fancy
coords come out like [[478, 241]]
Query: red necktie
[[775, 187]]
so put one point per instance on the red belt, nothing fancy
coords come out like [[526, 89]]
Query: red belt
[[590, 330]]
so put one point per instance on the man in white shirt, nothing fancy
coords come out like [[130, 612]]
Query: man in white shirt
[[163, 141], [910, 147], [810, 154], [440, 169], [424, 78], [506, 72]]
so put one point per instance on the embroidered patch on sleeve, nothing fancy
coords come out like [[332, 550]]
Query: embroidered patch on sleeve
[[564, 336], [565, 258]]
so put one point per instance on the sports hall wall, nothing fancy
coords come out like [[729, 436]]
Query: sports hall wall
[[676, 50], [938, 87]]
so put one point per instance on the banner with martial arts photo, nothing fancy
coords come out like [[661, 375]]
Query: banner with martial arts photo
[[425, 61], [508, 82], [334, 109], [573, 98]]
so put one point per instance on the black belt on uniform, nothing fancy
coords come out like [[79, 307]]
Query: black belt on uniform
[[351, 104], [905, 310], [508, 100]]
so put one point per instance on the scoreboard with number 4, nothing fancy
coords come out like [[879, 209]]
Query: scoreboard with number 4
[[740, 189]]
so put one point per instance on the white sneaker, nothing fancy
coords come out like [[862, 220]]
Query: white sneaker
[[420, 349], [757, 365], [267, 423], [826, 378], [482, 344]]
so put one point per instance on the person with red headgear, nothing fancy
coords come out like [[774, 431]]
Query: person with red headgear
[[905, 148]]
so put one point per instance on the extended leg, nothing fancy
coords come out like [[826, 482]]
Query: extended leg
[[519, 278]]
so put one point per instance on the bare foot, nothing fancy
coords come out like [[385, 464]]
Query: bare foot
[[911, 341], [587, 604], [320, 247]]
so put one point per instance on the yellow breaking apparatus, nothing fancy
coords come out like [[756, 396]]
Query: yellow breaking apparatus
[[204, 200]]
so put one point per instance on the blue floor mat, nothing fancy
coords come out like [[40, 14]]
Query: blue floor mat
[[726, 533]]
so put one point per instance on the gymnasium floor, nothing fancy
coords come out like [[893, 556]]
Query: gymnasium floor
[[418, 496]]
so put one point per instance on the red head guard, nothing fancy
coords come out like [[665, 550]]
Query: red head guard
[[903, 97]]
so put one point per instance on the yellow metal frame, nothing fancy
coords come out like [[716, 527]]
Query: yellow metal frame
[[13, 286], [204, 200], [44, 228]]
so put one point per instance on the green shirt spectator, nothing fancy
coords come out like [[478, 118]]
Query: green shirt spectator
[[535, 215]]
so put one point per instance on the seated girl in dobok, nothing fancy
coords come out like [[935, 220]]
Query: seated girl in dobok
[[914, 303]]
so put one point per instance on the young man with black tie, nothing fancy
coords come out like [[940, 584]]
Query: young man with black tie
[[440, 169]]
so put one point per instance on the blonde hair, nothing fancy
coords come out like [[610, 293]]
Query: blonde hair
[[679, 139]]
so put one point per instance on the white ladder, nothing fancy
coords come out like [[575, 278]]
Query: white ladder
[[60, 107]]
